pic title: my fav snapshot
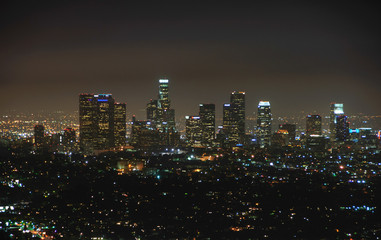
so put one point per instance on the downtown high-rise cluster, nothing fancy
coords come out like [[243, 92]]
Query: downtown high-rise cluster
[[103, 125]]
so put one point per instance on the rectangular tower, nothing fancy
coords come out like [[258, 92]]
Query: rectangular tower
[[88, 118], [193, 131], [105, 124], [120, 124], [313, 125], [237, 101], [208, 121], [264, 120], [97, 122], [336, 109], [342, 128]]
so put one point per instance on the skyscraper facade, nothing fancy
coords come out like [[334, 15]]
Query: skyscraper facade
[[97, 122], [193, 131], [313, 125], [264, 120], [336, 109], [342, 128], [228, 124], [87, 121], [105, 122], [164, 102], [120, 124], [159, 112], [151, 109], [207, 115], [162, 117], [237, 101]]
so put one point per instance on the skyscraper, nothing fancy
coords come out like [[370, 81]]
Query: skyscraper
[[97, 121], [207, 116], [237, 101], [105, 129], [164, 102], [143, 136], [151, 109], [234, 119], [88, 118], [342, 128], [193, 131], [120, 124], [313, 125], [336, 109], [264, 123], [165, 115], [228, 124]]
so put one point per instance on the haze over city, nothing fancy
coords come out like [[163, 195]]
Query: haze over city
[[190, 120], [300, 57]]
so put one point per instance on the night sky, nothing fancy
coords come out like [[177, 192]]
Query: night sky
[[298, 56]]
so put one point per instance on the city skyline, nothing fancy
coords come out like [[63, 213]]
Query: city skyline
[[299, 57], [190, 120]]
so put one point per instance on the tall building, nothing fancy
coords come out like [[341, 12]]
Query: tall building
[[342, 128], [193, 131], [120, 124], [88, 107], [264, 120], [234, 119], [152, 114], [207, 115], [97, 121], [313, 125], [291, 129], [143, 136], [336, 109], [162, 117], [237, 102], [164, 102], [228, 124], [105, 129], [165, 116], [39, 135]]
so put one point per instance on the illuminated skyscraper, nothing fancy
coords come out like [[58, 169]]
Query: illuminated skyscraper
[[234, 119], [164, 102], [342, 128], [228, 124], [193, 131], [143, 136], [162, 117], [88, 109], [207, 116], [152, 114], [105, 122], [237, 102], [336, 109], [264, 123], [313, 125], [120, 124], [97, 122], [165, 115]]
